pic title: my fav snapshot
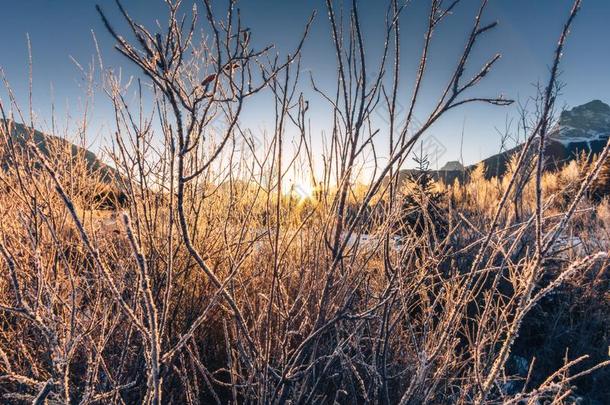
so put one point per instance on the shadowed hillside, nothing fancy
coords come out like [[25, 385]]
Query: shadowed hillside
[[48, 144]]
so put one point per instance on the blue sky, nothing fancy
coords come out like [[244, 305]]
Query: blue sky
[[526, 36]]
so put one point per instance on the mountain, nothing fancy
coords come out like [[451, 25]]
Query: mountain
[[109, 197], [583, 129], [586, 124], [21, 133]]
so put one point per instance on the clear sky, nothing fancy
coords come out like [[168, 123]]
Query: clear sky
[[526, 36]]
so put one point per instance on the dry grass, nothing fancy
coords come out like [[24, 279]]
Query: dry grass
[[213, 285]]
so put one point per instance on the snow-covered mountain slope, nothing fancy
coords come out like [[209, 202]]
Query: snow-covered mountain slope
[[588, 123], [583, 129]]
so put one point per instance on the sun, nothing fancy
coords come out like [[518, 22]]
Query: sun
[[303, 191]]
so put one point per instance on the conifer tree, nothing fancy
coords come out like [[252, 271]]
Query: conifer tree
[[423, 207]]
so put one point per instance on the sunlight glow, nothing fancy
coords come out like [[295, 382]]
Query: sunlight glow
[[302, 191]]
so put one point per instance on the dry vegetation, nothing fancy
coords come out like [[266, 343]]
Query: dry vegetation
[[212, 285]]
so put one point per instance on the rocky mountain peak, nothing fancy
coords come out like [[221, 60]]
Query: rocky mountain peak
[[584, 123]]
